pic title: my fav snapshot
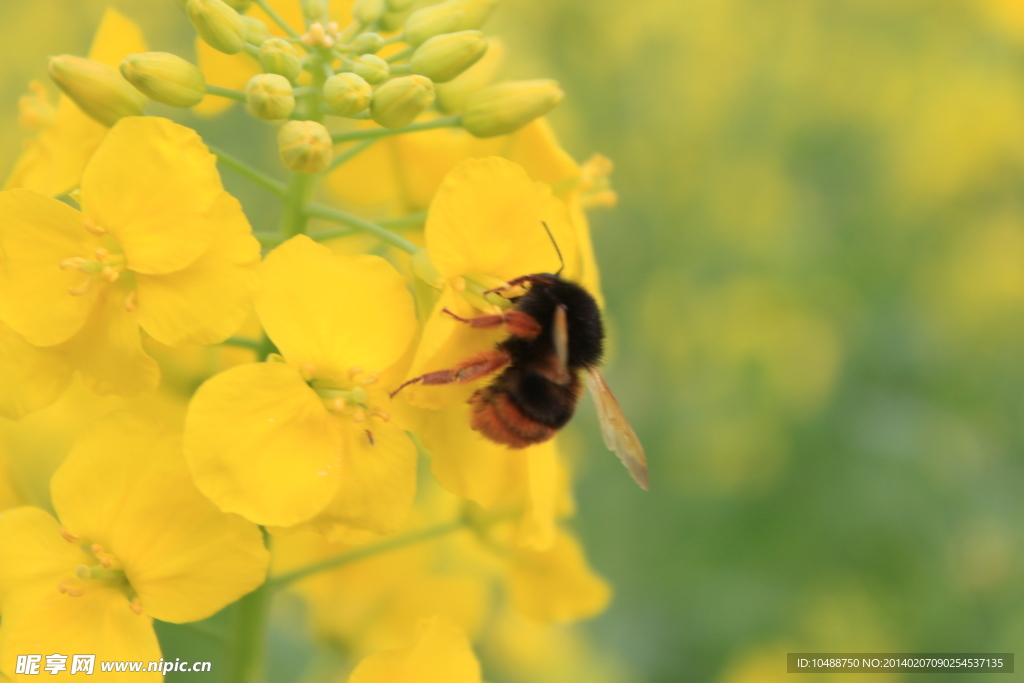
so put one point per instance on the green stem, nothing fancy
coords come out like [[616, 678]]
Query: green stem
[[348, 154], [225, 92], [244, 343], [399, 56], [293, 217], [262, 4], [268, 239], [361, 553], [327, 213], [248, 636], [374, 133], [401, 69], [409, 220], [247, 171], [397, 38], [252, 50]]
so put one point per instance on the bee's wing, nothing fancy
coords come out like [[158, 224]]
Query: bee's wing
[[561, 339], [618, 435]]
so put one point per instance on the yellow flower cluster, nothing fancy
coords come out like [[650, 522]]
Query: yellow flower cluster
[[246, 387]]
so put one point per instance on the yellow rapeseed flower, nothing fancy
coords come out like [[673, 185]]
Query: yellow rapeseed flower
[[53, 160], [158, 244], [30, 377], [485, 227], [282, 443], [135, 541], [440, 653]]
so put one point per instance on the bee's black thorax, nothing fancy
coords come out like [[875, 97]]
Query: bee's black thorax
[[583, 318]]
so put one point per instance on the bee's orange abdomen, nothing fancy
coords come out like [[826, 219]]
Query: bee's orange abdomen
[[497, 418]]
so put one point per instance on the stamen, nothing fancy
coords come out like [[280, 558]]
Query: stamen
[[75, 262], [81, 289], [355, 370], [131, 301], [359, 415], [96, 549], [337, 405], [102, 254], [371, 378], [110, 275], [68, 536], [136, 606], [382, 414], [93, 228], [307, 371], [369, 435]]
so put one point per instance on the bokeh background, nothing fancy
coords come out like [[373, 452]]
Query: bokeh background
[[815, 284]]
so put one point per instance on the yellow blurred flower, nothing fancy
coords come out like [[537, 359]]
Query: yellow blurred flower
[[30, 377], [135, 541], [158, 245], [54, 159], [440, 653], [282, 443], [373, 604]]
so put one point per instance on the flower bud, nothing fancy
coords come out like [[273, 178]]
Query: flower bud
[[165, 78], [347, 94], [96, 88], [314, 10], [217, 24], [368, 43], [278, 56], [305, 146], [399, 5], [398, 102], [255, 30], [269, 96], [476, 11], [367, 11], [433, 20], [507, 107], [444, 57], [372, 68], [394, 21]]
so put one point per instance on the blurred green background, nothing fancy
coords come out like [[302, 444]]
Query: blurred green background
[[815, 283]]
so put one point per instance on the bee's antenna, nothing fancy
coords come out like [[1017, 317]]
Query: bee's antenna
[[557, 250]]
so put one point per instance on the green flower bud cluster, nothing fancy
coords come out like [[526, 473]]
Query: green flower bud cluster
[[165, 78], [305, 146], [218, 24], [269, 96], [97, 89]]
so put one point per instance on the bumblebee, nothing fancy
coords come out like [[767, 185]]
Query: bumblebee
[[555, 336]]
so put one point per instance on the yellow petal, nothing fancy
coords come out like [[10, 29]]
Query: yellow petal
[[116, 38], [467, 464], [225, 71], [153, 185], [544, 483], [30, 377], [536, 149], [99, 622], [34, 557], [36, 234], [125, 485], [445, 343], [377, 482], [261, 444], [441, 653], [334, 312], [556, 584], [210, 299], [53, 160], [588, 275], [487, 219], [108, 350]]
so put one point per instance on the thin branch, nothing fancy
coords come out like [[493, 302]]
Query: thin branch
[[277, 18], [225, 92], [374, 133], [328, 213], [243, 169], [348, 154]]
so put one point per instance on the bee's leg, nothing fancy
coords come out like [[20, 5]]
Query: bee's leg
[[519, 324], [466, 371]]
